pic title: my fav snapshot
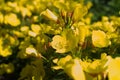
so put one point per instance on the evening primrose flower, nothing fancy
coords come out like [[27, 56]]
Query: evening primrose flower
[[50, 15], [59, 43], [24, 28], [72, 67], [83, 32], [64, 42], [25, 11], [97, 66], [79, 12], [12, 19], [1, 17], [14, 5], [35, 28], [6, 52], [99, 39]]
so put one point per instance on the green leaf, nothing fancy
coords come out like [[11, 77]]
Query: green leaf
[[33, 71]]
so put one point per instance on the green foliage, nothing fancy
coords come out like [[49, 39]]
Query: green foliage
[[59, 39], [33, 71]]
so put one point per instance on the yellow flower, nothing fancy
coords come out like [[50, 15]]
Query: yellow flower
[[1, 17], [97, 66], [25, 11], [18, 33], [71, 66], [6, 52], [12, 19], [79, 12], [59, 43], [108, 26], [35, 28], [14, 5], [83, 31], [64, 42], [24, 28], [99, 39]]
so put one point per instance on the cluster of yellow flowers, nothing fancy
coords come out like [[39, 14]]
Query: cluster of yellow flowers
[[48, 27], [89, 70]]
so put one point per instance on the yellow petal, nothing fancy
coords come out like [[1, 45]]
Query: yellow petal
[[114, 69], [74, 70]]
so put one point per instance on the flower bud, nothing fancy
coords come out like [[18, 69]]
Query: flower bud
[[50, 15]]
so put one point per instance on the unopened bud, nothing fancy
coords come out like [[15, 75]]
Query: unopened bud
[[49, 14]]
